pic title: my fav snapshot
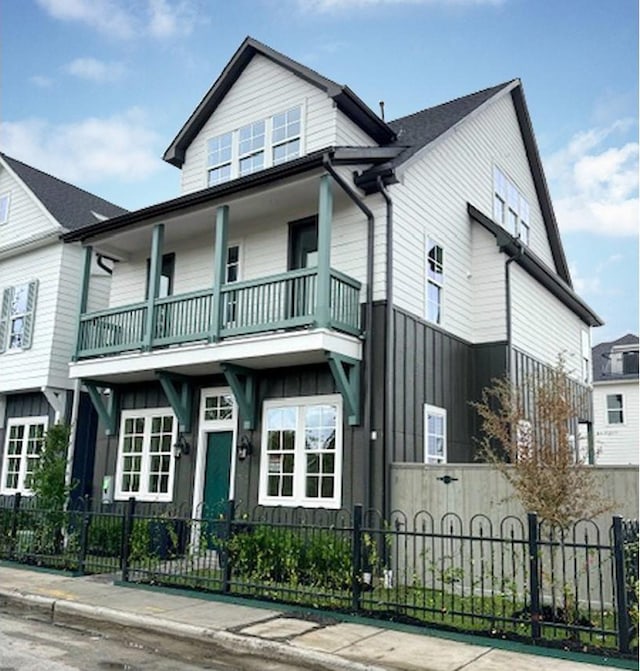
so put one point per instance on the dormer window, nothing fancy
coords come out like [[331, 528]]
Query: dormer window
[[4, 208], [258, 145], [510, 207]]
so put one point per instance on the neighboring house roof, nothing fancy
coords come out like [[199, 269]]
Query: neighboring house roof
[[73, 208], [601, 359], [346, 100]]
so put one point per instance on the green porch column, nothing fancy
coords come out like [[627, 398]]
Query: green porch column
[[84, 296], [325, 214], [219, 269], [155, 270]]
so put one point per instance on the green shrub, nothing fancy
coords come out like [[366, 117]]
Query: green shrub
[[105, 536]]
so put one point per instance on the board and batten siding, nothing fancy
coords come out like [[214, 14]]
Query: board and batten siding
[[617, 443], [28, 220], [541, 325], [262, 90], [431, 202]]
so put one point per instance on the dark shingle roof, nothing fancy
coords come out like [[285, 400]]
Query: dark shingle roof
[[600, 357], [72, 207], [419, 129]]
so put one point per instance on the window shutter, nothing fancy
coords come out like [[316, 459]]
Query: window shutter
[[7, 295], [29, 317]]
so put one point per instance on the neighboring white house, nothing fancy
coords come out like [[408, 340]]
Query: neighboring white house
[[616, 401], [40, 288], [327, 294]]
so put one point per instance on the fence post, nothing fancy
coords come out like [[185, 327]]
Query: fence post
[[226, 537], [534, 575], [126, 540], [84, 539], [14, 524], [356, 559], [622, 618]]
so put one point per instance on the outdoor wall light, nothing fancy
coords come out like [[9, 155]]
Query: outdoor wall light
[[245, 448], [180, 447]]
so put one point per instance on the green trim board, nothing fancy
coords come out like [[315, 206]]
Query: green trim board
[[219, 269], [181, 400], [346, 373], [155, 270], [244, 384], [108, 412]]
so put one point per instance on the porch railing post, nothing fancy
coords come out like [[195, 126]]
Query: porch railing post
[[226, 537], [219, 270], [14, 524], [325, 214], [622, 615], [356, 559], [534, 575], [84, 298], [155, 271], [127, 529]]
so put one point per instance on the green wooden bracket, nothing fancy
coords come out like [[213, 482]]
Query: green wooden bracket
[[179, 392], [107, 411], [346, 373], [244, 384]]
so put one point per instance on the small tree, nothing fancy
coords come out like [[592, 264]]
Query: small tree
[[527, 431], [48, 479]]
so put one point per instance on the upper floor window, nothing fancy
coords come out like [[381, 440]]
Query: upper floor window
[[435, 280], [615, 410], [25, 439], [167, 270], [510, 207], [258, 145], [4, 208], [435, 435], [17, 315]]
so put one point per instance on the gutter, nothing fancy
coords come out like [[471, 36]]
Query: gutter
[[368, 342]]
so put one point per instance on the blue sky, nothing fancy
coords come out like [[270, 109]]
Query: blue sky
[[93, 91]]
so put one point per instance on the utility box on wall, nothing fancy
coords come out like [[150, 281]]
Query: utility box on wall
[[107, 489]]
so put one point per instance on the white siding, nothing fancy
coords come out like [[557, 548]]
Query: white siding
[[616, 443], [542, 326], [27, 219], [263, 89], [431, 201], [349, 134], [29, 369]]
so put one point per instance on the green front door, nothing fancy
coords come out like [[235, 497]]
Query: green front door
[[216, 477]]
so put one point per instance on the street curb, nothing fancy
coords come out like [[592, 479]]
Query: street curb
[[71, 612]]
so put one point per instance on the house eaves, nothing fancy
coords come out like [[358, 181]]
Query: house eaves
[[536, 268], [346, 100], [201, 198]]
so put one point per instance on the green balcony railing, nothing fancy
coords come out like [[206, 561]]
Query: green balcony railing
[[278, 302]]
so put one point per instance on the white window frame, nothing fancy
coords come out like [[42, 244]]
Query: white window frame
[[434, 411], [253, 151], [430, 281], [298, 497], [508, 200], [22, 469], [620, 410], [143, 494], [268, 147], [5, 204]]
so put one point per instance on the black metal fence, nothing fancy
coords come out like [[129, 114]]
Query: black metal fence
[[523, 579]]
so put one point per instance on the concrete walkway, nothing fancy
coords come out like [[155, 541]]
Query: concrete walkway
[[94, 601]]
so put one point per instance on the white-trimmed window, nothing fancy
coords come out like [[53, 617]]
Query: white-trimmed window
[[260, 144], [615, 409], [301, 459], [145, 468], [435, 281], [217, 407], [435, 435], [24, 442], [17, 315], [510, 207], [5, 199]]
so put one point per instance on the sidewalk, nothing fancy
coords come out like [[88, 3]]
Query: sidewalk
[[94, 601]]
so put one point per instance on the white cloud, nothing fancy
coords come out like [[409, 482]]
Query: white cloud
[[95, 70], [127, 20], [321, 6], [592, 284], [41, 82], [595, 182], [120, 147]]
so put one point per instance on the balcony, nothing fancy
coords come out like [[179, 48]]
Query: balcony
[[276, 303]]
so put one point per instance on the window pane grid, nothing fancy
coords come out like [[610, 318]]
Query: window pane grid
[[510, 207], [218, 407], [22, 452]]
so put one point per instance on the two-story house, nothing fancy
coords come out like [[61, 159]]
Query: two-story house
[[327, 294], [40, 281], [616, 399]]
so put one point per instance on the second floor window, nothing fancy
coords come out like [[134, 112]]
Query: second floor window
[[510, 207], [615, 410], [17, 316], [260, 144], [435, 280], [165, 287]]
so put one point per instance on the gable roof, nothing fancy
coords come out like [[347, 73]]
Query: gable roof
[[72, 207], [600, 359], [346, 100]]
